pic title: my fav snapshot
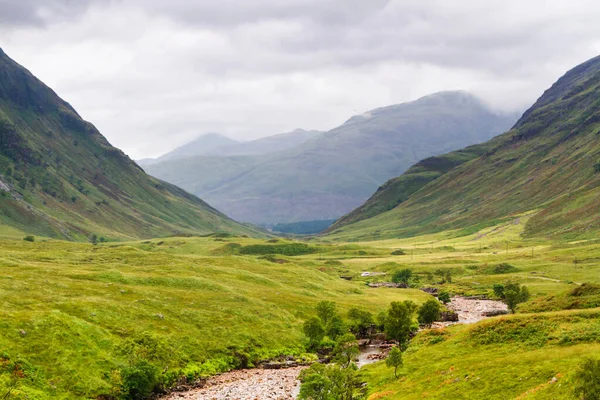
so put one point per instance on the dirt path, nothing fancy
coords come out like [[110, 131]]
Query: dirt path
[[253, 384]]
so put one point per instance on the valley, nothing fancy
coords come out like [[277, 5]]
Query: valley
[[195, 306]]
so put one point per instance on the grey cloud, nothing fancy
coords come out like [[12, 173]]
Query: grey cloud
[[40, 12]]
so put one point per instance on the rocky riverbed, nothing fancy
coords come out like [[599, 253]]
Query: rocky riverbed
[[251, 384], [283, 384]]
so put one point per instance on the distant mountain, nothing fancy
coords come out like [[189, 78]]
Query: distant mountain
[[269, 144], [337, 171], [60, 177], [203, 145], [547, 167]]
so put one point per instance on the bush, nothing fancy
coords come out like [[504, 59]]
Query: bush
[[399, 252], [402, 276], [587, 380], [289, 249], [139, 380], [314, 331], [29, 238], [399, 321], [321, 382], [429, 312], [444, 297]]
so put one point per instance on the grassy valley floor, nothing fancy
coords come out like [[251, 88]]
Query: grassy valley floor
[[72, 315]]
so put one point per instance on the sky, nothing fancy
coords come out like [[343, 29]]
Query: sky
[[155, 74]]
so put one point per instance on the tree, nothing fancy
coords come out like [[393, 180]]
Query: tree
[[336, 327], [326, 310], [402, 276], [360, 321], [394, 360], [314, 331], [399, 321], [327, 382], [346, 350], [93, 238], [587, 380], [444, 297], [514, 294], [429, 312], [499, 290], [29, 238]]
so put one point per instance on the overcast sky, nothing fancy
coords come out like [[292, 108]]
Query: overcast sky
[[153, 74]]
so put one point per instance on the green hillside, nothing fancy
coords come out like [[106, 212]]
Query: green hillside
[[548, 163], [334, 172], [60, 177]]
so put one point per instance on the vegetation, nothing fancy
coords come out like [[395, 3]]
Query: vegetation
[[394, 360], [429, 312], [402, 276], [399, 321], [587, 380], [327, 382], [512, 294]]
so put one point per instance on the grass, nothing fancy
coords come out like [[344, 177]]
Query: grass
[[71, 311], [514, 357]]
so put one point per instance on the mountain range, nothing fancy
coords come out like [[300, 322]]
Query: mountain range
[[334, 172], [60, 177], [545, 170]]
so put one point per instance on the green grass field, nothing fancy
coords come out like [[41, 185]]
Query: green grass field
[[72, 314]]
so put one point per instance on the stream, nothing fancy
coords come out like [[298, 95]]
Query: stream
[[283, 384]]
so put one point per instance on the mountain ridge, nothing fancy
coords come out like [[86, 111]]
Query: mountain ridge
[[66, 180], [548, 163]]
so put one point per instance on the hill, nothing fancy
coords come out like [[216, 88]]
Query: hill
[[60, 177], [334, 172], [269, 144], [548, 163]]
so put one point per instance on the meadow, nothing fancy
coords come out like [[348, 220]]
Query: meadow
[[75, 314]]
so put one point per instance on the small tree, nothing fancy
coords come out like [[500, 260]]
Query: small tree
[[394, 360], [402, 276], [326, 382], [444, 297], [29, 238], [429, 312], [360, 321], [587, 380], [93, 238], [326, 310], [314, 331], [514, 294], [336, 327], [346, 350], [499, 290], [399, 321]]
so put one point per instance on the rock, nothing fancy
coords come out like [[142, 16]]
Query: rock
[[22, 332], [159, 316], [448, 316], [430, 290], [494, 313]]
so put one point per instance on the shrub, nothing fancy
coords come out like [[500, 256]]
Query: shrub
[[29, 238], [399, 252], [139, 380], [444, 297], [514, 294], [346, 350], [394, 360], [288, 249], [587, 380], [429, 312], [402, 276], [361, 321], [597, 167], [321, 382], [314, 331]]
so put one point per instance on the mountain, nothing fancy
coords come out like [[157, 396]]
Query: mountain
[[269, 144], [60, 177], [205, 144], [546, 169], [334, 172]]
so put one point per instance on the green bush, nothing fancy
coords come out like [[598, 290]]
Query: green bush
[[587, 380], [402, 276], [398, 252], [29, 238], [288, 249], [139, 380], [429, 312]]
